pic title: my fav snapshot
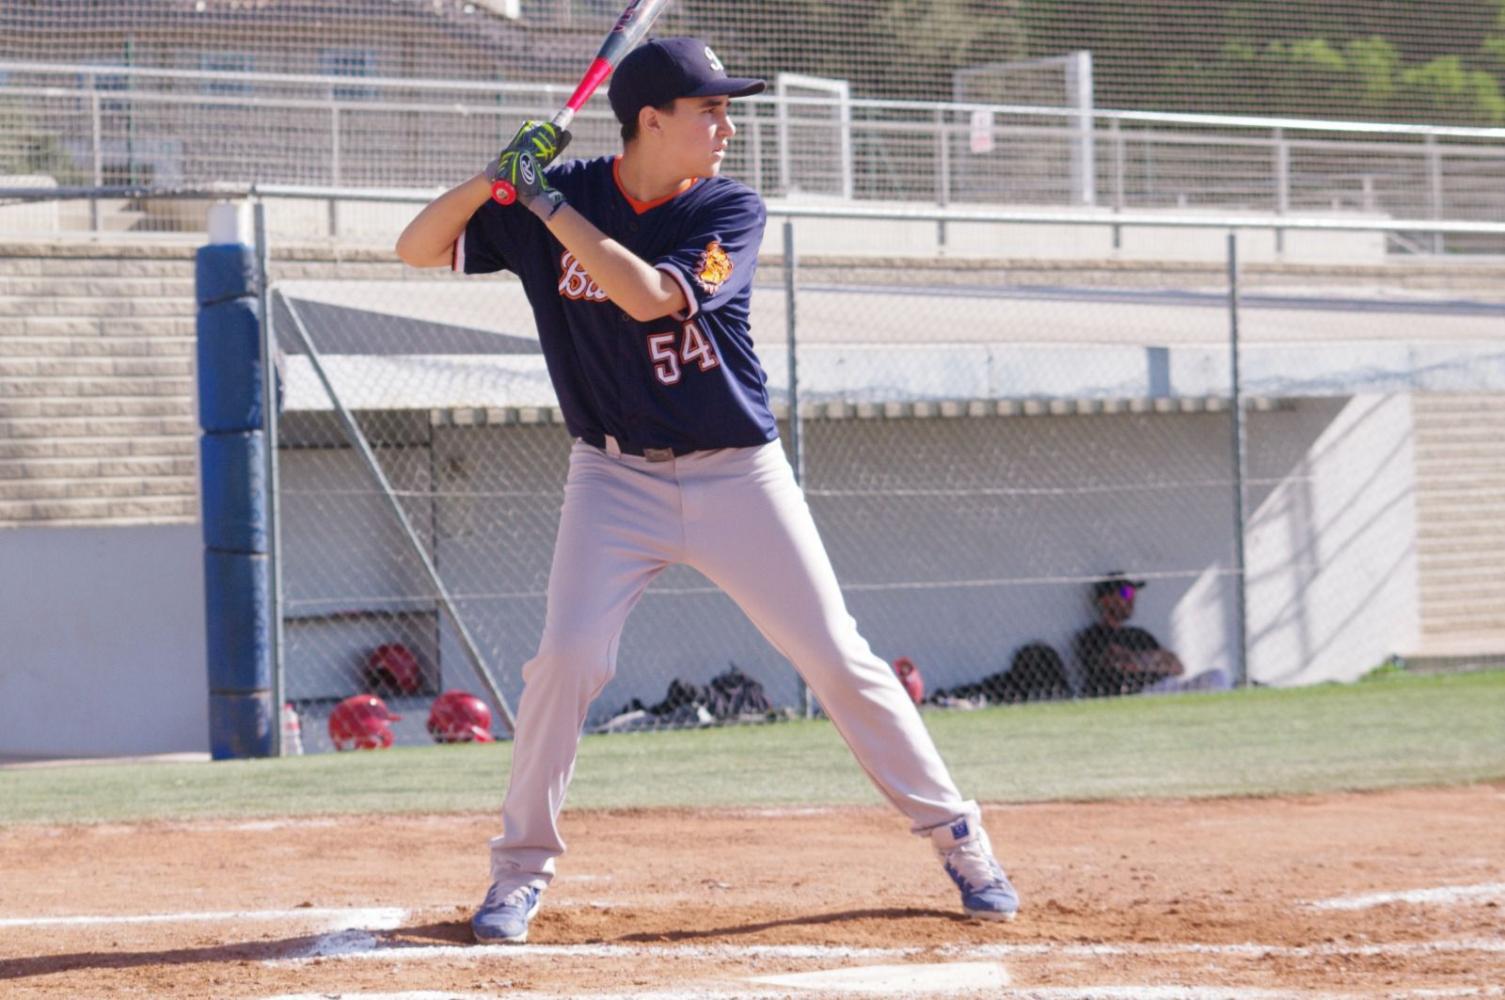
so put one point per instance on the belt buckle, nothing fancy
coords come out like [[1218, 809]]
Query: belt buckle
[[658, 454]]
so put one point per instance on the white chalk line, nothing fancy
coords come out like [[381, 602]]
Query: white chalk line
[[368, 918], [891, 980], [387, 952], [1397, 949], [1439, 894], [446, 952], [1111, 992]]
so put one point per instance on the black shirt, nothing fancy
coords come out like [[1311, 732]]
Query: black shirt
[[1099, 676]]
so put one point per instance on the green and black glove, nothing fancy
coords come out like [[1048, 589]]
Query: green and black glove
[[522, 164]]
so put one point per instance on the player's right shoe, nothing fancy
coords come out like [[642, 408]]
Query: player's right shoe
[[968, 858], [504, 914]]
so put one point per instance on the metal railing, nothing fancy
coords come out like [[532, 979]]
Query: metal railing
[[163, 128]]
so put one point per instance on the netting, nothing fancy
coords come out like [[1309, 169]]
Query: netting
[[419, 92], [981, 448], [1401, 60]]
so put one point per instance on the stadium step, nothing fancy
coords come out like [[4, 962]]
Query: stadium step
[[29, 347], [94, 487], [95, 406], [97, 510], [1445, 627], [98, 287], [80, 388], [22, 260], [96, 327], [146, 446], [1463, 554], [74, 306], [1459, 403], [97, 367], [1460, 538], [94, 427], [107, 468]]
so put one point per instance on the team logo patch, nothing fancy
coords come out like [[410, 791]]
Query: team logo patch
[[714, 268], [959, 830], [710, 57]]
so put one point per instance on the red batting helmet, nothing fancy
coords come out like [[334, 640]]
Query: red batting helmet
[[460, 717], [909, 676], [393, 668], [360, 723]]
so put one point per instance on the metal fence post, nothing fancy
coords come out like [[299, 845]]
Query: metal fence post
[[755, 127], [796, 428], [1434, 188], [1236, 406], [1116, 129], [97, 133], [335, 167], [1084, 159], [269, 415], [942, 174], [1282, 185]]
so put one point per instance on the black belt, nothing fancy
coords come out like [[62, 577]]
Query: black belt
[[606, 443]]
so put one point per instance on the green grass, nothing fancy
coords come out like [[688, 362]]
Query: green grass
[[1396, 730]]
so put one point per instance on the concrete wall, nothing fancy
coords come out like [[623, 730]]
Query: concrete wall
[[103, 650]]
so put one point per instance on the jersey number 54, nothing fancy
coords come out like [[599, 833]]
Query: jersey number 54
[[674, 350]]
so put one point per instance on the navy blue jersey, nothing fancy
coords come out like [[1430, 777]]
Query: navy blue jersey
[[687, 382]]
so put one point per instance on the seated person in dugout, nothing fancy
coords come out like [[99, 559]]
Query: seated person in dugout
[[1115, 658]]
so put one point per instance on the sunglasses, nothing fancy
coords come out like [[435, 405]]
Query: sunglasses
[[1126, 592]]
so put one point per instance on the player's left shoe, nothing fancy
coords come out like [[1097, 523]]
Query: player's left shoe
[[987, 893], [504, 914]]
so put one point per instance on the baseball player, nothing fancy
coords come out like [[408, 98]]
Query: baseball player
[[639, 270]]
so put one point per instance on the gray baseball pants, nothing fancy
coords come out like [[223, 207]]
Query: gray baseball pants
[[738, 516]]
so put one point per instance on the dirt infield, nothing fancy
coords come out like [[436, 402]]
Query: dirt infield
[[1367, 895]]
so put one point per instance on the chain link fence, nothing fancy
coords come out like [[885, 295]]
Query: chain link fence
[[983, 447]]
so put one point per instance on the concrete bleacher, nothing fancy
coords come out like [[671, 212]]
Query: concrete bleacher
[[96, 385], [1460, 481]]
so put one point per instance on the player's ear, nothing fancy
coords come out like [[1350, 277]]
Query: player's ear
[[651, 119], [648, 122]]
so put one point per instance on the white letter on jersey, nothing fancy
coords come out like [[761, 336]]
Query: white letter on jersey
[[574, 283], [665, 361]]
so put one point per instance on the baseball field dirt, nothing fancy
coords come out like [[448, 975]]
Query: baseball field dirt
[[1385, 894]]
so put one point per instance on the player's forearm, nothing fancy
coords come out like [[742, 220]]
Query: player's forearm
[[637, 287], [429, 240]]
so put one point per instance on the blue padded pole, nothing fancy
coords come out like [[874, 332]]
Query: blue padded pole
[[234, 501]]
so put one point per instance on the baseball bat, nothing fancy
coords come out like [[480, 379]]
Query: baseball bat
[[637, 17]]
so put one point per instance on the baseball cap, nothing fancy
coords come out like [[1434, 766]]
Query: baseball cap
[[662, 70], [1113, 582]]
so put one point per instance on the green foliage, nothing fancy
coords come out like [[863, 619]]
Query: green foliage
[[25, 149], [1399, 60], [1444, 91]]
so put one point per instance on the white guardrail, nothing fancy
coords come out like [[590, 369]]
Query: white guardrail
[[120, 125]]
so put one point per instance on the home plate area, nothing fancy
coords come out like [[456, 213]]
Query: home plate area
[[1394, 894]]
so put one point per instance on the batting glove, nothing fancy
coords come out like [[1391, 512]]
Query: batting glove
[[526, 176], [544, 140]]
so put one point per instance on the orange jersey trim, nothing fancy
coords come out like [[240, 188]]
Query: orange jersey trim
[[642, 206]]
